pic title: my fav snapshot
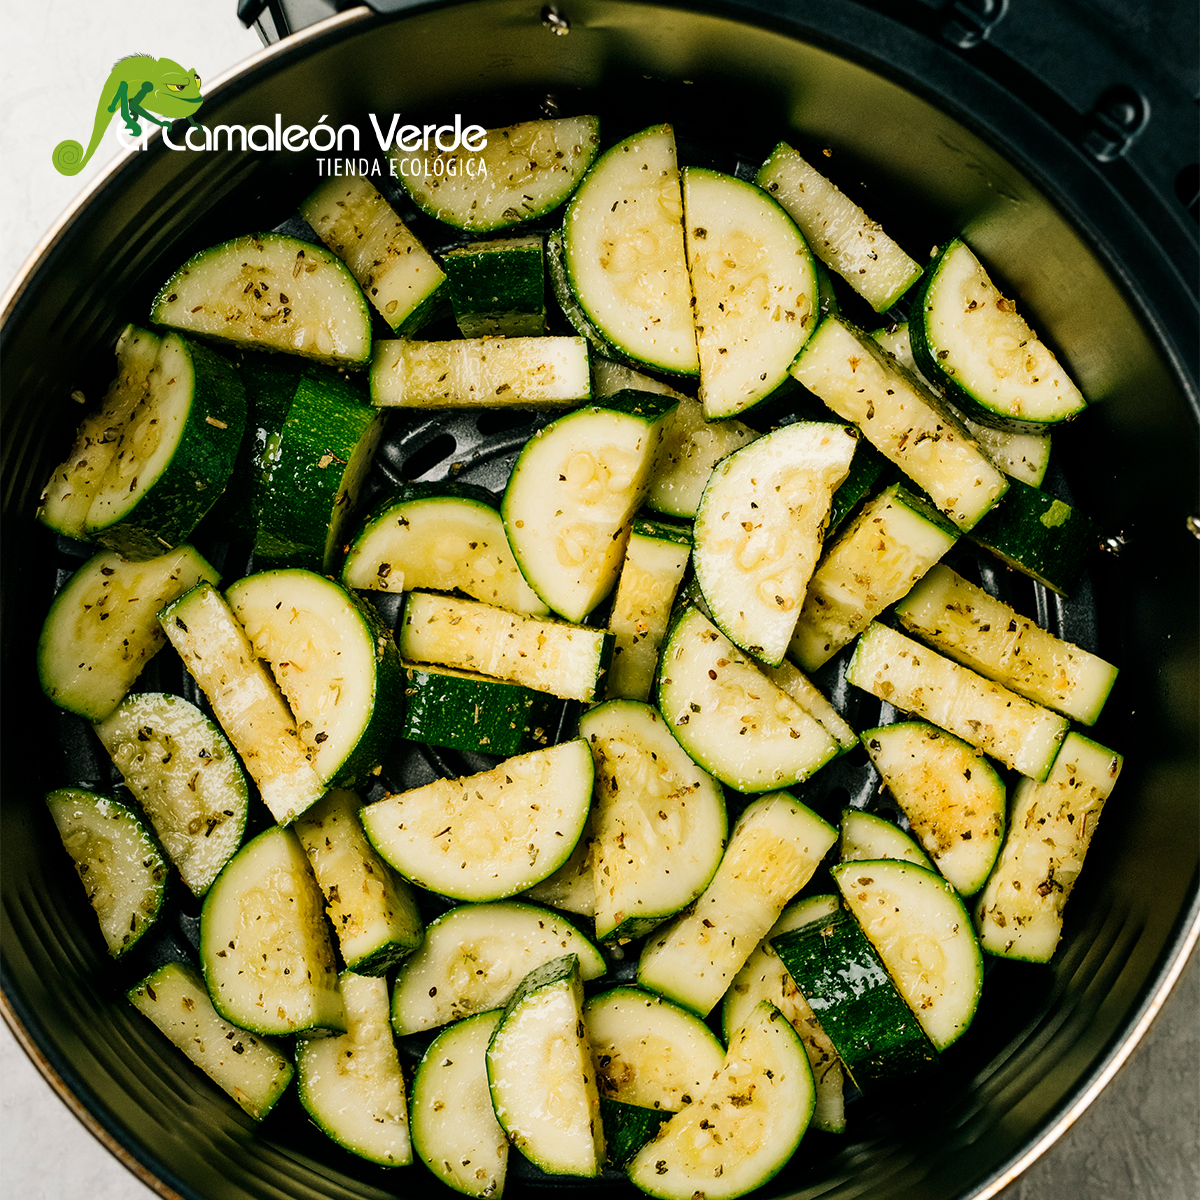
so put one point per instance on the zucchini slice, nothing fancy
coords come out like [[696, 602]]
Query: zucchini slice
[[1019, 912], [656, 557], [764, 977], [759, 527], [901, 418], [174, 455], [352, 1085], [773, 851], [454, 1128], [396, 273], [572, 493], [869, 836], [624, 255], [918, 924], [1021, 734], [691, 448], [490, 835], [1023, 456], [498, 288], [444, 537], [841, 235], [253, 1070], [1040, 536], [754, 285], [244, 698], [264, 944], [335, 662], [271, 292], [373, 912], [186, 777], [521, 172], [72, 486], [473, 958], [119, 863], [659, 820], [548, 656], [465, 711], [103, 626], [542, 1074], [790, 680], [649, 1052], [572, 888], [744, 1126], [872, 562], [992, 638], [313, 474], [949, 792], [972, 341], [730, 717], [482, 372], [837, 970]]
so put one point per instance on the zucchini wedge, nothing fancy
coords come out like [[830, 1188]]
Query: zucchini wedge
[[759, 527], [253, 1070], [352, 1085], [743, 1127], [475, 955], [334, 661], [659, 820], [542, 1074], [444, 537], [972, 341], [186, 778], [396, 273], [754, 286], [572, 888], [918, 924], [102, 627], [623, 253], [869, 836], [1019, 912], [270, 292], [520, 172], [454, 1128], [264, 943], [490, 835], [498, 287], [118, 862]]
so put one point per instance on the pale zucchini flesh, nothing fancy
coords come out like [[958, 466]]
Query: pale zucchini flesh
[[918, 925], [868, 836], [991, 637], [572, 888], [245, 700], [186, 778], [789, 679], [950, 793], [744, 1126], [252, 1070], [1019, 912], [565, 660], [839, 232], [869, 564], [754, 287], [624, 253], [759, 528], [490, 835], [474, 957], [659, 820], [773, 851], [906, 422], [1021, 734]]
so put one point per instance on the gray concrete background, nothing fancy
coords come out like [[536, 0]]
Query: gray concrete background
[[1139, 1141]]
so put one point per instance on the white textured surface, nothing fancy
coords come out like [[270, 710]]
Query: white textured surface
[[1138, 1142]]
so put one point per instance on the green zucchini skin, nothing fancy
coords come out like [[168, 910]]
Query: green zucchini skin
[[627, 1128], [498, 288], [1039, 536], [838, 971], [190, 482]]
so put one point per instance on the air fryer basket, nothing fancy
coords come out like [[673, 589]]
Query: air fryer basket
[[1101, 282]]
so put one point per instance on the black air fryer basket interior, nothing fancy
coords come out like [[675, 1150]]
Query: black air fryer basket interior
[[932, 146]]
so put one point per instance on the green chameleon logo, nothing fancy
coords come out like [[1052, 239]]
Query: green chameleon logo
[[139, 86]]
